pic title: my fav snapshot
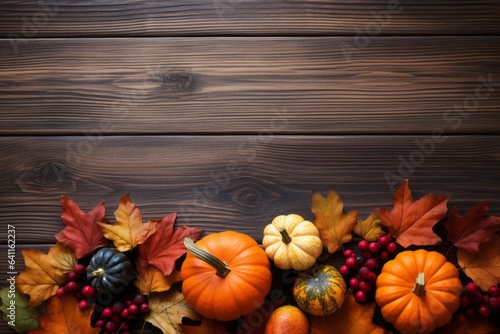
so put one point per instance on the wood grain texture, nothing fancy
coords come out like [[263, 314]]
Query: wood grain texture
[[60, 18], [235, 182], [246, 85]]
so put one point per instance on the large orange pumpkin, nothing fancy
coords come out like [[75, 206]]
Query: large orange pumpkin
[[225, 275], [418, 291]]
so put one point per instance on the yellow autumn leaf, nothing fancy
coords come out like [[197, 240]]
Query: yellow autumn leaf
[[166, 310], [40, 280], [370, 228], [482, 268], [152, 279], [62, 257], [128, 230], [334, 226]]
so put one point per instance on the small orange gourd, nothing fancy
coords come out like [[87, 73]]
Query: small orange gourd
[[225, 275], [418, 291]]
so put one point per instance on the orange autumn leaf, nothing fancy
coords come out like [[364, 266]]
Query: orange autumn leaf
[[467, 232], [128, 230], [482, 268], [152, 279], [334, 226], [370, 228], [351, 318], [82, 234], [40, 280], [164, 247], [64, 317], [410, 221]]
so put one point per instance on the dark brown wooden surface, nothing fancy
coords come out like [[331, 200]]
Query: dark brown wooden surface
[[232, 112], [55, 18], [242, 85]]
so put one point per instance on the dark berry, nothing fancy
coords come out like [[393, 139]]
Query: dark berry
[[366, 255], [371, 263], [365, 286], [110, 326], [100, 323], [494, 302], [139, 299], [360, 260], [484, 311], [464, 301], [118, 307], [494, 291], [72, 276]]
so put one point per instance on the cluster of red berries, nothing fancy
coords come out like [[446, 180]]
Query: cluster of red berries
[[475, 301], [112, 319], [116, 318], [361, 268]]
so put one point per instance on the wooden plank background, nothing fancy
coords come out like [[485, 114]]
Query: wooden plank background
[[232, 112]]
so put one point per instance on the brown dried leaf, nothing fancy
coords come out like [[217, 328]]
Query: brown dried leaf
[[151, 279], [167, 310]]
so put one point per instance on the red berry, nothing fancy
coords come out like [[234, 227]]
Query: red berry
[[471, 288], [144, 308], [110, 326], [363, 272], [366, 255], [391, 247], [354, 283], [139, 299], [344, 270], [360, 296], [494, 291], [72, 276], [125, 314], [371, 263], [88, 291], [100, 323], [494, 302], [464, 301], [124, 326], [469, 311], [384, 255], [363, 245], [107, 313], [118, 307], [374, 247], [365, 286], [80, 269], [461, 318], [83, 305], [133, 309], [371, 277], [348, 253], [60, 292], [484, 311], [384, 240], [349, 262], [128, 303], [476, 296], [72, 286]]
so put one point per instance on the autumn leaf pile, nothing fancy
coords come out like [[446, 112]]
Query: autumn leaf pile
[[155, 245], [471, 240]]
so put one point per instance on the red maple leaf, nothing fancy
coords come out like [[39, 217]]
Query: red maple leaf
[[82, 233], [166, 245], [410, 221], [467, 232]]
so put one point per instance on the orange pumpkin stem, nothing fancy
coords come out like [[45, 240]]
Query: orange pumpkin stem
[[221, 268], [285, 237], [419, 288]]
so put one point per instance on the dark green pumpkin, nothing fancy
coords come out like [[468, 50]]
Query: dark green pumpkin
[[320, 292], [110, 270]]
